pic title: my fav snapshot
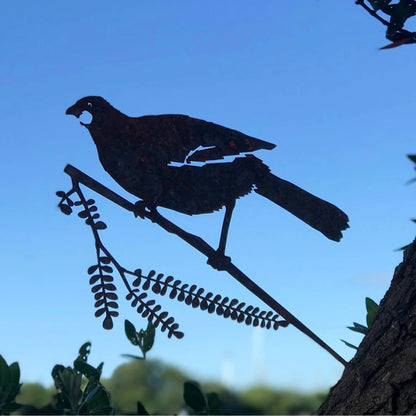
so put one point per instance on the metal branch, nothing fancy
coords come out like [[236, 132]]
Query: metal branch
[[200, 245], [372, 12]]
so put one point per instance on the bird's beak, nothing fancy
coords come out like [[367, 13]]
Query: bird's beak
[[74, 111]]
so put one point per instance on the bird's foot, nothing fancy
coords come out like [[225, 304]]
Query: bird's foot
[[219, 261], [140, 209]]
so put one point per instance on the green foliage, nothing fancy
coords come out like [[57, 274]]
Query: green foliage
[[35, 395], [158, 386], [72, 397], [371, 307], [268, 401], [200, 403], [167, 390], [9, 386], [164, 390], [144, 339]]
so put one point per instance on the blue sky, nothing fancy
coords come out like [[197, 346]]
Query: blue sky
[[306, 75]]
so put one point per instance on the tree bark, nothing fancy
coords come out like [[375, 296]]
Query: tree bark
[[381, 378]]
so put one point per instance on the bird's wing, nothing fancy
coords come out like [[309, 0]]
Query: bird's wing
[[185, 139], [218, 141]]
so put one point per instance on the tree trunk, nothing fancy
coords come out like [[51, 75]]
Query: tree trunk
[[381, 378]]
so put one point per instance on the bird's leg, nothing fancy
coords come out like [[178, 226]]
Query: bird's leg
[[229, 208], [218, 260]]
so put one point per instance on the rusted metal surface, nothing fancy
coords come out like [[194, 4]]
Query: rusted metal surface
[[152, 158], [225, 307]]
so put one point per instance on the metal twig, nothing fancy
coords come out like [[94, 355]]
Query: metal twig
[[203, 247]]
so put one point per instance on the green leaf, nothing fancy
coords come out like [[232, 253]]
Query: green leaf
[[193, 396], [371, 310], [87, 370], [13, 388], [349, 345], [61, 402], [214, 404], [141, 410], [131, 332], [100, 368], [4, 374], [89, 389], [148, 338], [69, 383], [84, 351], [56, 375], [96, 399], [14, 373], [358, 328], [9, 386]]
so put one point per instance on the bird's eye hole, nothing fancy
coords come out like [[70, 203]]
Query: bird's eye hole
[[89, 104]]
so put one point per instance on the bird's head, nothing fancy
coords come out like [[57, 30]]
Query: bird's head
[[94, 105]]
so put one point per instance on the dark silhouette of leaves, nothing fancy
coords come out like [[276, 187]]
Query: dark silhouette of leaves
[[104, 290], [176, 291], [66, 209], [193, 296], [396, 16]]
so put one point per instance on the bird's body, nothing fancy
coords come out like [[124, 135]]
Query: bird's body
[[144, 155], [138, 153]]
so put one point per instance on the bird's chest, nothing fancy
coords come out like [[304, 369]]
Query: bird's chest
[[138, 169]]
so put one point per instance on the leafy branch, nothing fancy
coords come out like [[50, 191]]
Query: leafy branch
[[371, 307], [102, 279], [195, 297], [190, 294], [74, 395], [144, 339], [104, 289], [397, 15], [9, 386]]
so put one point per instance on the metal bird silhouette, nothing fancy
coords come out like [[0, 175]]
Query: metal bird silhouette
[[152, 158]]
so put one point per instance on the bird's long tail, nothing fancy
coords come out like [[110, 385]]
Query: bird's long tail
[[319, 214]]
